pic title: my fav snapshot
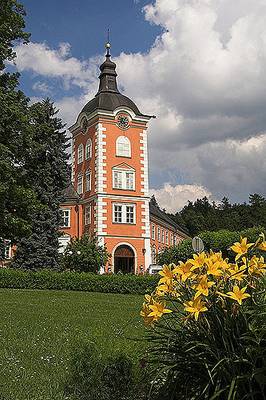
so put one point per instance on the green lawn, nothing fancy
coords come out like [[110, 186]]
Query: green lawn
[[39, 331]]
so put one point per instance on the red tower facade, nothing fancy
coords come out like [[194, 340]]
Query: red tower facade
[[109, 199]]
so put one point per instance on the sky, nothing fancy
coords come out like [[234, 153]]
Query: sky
[[198, 65]]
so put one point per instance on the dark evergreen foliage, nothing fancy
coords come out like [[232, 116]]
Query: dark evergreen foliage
[[202, 215], [17, 199], [48, 173]]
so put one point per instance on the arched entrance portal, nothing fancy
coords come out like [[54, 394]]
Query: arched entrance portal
[[124, 259]]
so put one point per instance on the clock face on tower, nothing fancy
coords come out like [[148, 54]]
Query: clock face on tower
[[123, 122]]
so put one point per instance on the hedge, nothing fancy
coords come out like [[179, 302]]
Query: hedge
[[216, 240], [89, 282]]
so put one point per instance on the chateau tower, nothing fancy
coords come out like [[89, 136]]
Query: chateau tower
[[110, 174]]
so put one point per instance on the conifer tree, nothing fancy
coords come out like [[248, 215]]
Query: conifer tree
[[48, 173], [17, 200]]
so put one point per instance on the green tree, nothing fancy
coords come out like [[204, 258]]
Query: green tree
[[48, 173], [17, 199], [84, 255]]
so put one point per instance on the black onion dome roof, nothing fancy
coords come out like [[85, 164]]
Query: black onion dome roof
[[108, 97], [109, 101]]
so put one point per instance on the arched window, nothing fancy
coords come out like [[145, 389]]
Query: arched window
[[80, 153], [123, 148], [88, 149]]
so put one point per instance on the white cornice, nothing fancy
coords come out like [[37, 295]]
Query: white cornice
[[99, 112]]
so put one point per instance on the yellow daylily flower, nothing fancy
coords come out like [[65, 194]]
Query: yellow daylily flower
[[262, 246], [237, 273], [166, 273], [238, 294], [241, 248], [257, 266], [195, 307], [183, 270], [216, 257], [168, 288], [198, 260], [145, 314], [213, 268], [157, 310], [203, 286]]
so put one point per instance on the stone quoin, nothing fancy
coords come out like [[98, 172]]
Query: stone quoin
[[109, 195]]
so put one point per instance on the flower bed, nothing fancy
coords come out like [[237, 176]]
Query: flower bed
[[208, 325]]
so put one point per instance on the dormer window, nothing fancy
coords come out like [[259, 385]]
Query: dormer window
[[123, 147], [80, 153]]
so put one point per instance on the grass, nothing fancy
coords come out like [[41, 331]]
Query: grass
[[40, 330]]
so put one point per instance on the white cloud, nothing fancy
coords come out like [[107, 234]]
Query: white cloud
[[173, 198], [204, 78], [56, 63], [41, 87]]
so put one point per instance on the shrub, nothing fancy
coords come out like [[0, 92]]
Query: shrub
[[70, 280], [173, 254], [84, 255], [93, 377], [211, 342], [216, 241]]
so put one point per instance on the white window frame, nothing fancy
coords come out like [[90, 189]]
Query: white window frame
[[166, 237], [88, 181], [163, 235], [122, 182], [159, 234], [87, 215], [123, 146], [172, 239], [80, 153], [175, 240], [80, 176], [153, 232], [88, 149], [124, 213], [64, 217]]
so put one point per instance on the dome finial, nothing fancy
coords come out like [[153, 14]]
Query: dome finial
[[108, 44]]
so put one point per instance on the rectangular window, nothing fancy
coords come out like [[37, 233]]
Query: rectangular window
[[153, 232], [159, 234], [118, 179], [124, 180], [130, 214], [87, 215], [124, 213], [172, 239], [80, 184], [162, 236], [130, 180], [88, 181], [117, 213], [65, 218], [166, 237]]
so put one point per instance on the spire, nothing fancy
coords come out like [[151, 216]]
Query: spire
[[108, 74]]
